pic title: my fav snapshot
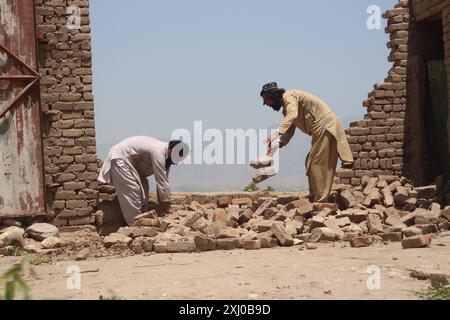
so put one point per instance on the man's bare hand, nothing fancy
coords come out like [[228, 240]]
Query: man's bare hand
[[271, 138], [273, 147]]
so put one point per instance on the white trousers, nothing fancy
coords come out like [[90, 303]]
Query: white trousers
[[131, 188]]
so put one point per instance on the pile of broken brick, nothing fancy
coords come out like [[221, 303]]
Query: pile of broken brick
[[380, 210], [384, 209]]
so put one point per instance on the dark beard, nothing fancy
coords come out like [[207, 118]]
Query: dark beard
[[277, 104], [277, 107]]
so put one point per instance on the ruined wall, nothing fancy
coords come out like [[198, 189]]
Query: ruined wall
[[377, 141], [65, 61], [70, 157], [446, 23], [426, 8], [392, 138]]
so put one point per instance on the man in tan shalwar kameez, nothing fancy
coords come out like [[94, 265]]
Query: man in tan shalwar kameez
[[312, 116]]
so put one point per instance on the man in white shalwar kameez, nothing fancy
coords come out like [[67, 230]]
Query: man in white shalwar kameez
[[128, 165]]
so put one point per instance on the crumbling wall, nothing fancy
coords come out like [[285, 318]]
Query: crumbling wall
[[392, 138], [436, 10], [70, 155], [425, 8], [446, 23], [65, 61], [377, 141]]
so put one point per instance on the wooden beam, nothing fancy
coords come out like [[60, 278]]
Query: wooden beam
[[430, 12]]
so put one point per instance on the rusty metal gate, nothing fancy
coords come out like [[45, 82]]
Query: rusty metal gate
[[21, 171]]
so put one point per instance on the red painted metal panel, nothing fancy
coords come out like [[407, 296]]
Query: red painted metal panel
[[21, 170]]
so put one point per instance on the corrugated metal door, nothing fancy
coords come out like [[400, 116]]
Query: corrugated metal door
[[21, 171]]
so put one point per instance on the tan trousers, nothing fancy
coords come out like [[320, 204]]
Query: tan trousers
[[132, 189], [321, 166]]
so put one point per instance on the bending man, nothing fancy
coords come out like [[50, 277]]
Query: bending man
[[128, 165], [312, 116]]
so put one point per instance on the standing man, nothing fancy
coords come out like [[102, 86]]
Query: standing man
[[312, 116], [128, 165]]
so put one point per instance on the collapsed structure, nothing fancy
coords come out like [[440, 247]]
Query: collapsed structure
[[378, 211], [405, 130], [404, 133]]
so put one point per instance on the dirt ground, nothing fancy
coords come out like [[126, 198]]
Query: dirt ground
[[332, 271]]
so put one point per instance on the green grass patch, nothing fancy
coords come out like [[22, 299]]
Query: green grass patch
[[435, 293]]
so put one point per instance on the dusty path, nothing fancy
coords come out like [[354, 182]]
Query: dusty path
[[329, 272]]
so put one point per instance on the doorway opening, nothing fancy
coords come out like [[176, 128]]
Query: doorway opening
[[426, 141]]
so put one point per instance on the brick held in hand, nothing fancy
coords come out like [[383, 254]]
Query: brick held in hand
[[260, 178], [261, 162]]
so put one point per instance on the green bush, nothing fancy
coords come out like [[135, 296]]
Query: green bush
[[252, 187], [435, 293]]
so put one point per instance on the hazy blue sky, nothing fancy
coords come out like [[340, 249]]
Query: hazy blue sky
[[161, 65]]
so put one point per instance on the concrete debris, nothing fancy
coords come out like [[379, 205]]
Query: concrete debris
[[116, 238], [12, 236], [392, 236], [226, 244], [282, 235], [347, 199], [41, 231], [322, 234], [83, 254], [361, 241], [135, 232], [411, 232], [374, 223], [416, 242], [204, 243], [423, 216], [174, 244], [252, 244], [51, 243], [392, 217], [141, 245], [31, 248], [377, 211]]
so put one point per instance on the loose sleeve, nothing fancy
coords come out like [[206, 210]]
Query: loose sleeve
[[162, 179], [291, 106], [286, 138]]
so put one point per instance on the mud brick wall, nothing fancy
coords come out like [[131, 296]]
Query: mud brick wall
[[446, 22], [391, 139], [377, 141], [70, 156], [424, 8]]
